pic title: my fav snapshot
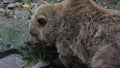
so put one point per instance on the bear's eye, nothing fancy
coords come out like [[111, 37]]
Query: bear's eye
[[42, 20], [34, 31]]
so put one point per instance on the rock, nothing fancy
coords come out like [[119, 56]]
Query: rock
[[12, 61], [11, 6], [18, 4], [9, 1], [20, 14], [12, 34], [2, 10], [41, 64], [8, 52], [34, 5]]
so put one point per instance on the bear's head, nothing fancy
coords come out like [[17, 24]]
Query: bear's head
[[42, 27]]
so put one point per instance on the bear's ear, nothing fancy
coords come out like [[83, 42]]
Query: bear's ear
[[42, 20], [42, 2]]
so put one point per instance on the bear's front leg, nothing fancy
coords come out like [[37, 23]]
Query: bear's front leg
[[107, 56], [72, 62], [68, 58]]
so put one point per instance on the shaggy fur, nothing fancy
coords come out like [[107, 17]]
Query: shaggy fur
[[83, 33]]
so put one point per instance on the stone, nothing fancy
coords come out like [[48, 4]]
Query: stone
[[18, 4], [12, 61], [2, 10], [41, 64], [9, 1], [20, 14], [11, 6], [11, 33], [34, 5]]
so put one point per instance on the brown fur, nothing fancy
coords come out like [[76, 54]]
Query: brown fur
[[83, 33]]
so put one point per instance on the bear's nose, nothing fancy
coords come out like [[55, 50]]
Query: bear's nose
[[27, 42], [29, 39]]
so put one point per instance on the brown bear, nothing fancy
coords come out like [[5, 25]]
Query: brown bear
[[82, 32]]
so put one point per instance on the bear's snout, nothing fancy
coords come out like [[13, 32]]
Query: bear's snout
[[30, 40]]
